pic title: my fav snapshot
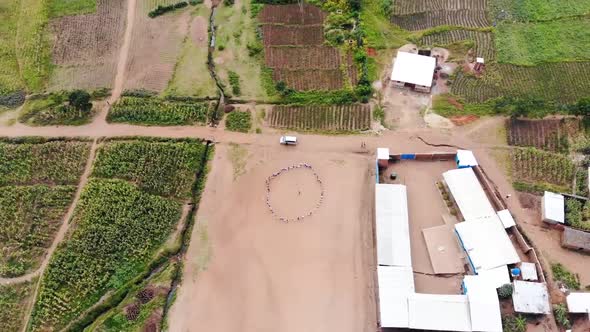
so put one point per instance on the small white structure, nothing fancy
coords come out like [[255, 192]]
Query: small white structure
[[506, 218], [495, 277], [486, 243], [395, 285], [484, 306], [414, 70], [529, 271], [288, 140], [553, 208], [530, 297], [465, 158], [382, 157], [468, 194], [392, 226], [439, 312], [579, 303]]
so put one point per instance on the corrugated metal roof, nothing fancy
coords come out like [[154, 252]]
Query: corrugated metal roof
[[484, 306], [392, 226], [469, 194], [413, 68], [575, 238], [531, 297], [553, 207], [395, 285], [439, 312]]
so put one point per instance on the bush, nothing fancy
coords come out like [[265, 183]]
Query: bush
[[240, 121], [229, 2], [254, 48], [560, 273], [514, 324], [505, 291], [561, 317], [573, 211], [80, 100], [13, 99], [234, 81], [161, 10]]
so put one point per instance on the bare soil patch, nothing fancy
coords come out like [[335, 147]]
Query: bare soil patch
[[313, 275], [198, 31]]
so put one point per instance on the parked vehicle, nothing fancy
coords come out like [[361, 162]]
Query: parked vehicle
[[288, 140]]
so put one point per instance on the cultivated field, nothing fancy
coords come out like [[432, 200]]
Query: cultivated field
[[155, 111], [10, 79], [324, 118], [125, 213], [424, 14], [293, 36], [86, 47], [13, 303], [537, 10], [311, 275], [548, 134], [537, 166], [483, 41]]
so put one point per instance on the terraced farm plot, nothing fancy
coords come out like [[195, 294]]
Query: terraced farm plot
[[86, 47], [537, 10], [13, 304], [161, 168], [484, 42], [324, 118], [155, 111], [530, 44], [532, 165], [293, 36], [29, 219], [564, 82], [424, 14], [548, 134]]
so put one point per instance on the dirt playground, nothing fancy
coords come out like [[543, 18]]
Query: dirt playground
[[248, 271]]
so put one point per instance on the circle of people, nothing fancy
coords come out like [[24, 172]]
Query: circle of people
[[286, 169]]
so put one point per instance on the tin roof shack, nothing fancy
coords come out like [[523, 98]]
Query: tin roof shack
[[531, 297], [579, 303], [575, 239], [413, 71], [553, 208]]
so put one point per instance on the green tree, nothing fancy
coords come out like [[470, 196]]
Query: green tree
[[80, 101]]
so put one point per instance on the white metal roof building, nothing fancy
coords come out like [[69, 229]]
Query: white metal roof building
[[531, 297], [392, 227], [487, 244], [495, 277], [484, 306], [506, 218], [468, 194], [553, 208], [579, 303], [413, 68], [395, 285], [439, 312], [529, 271], [465, 158]]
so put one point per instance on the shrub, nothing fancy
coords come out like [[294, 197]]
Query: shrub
[[514, 324], [569, 279], [254, 48], [505, 291], [80, 100], [573, 211], [234, 81], [13, 99], [239, 121], [561, 317], [228, 2]]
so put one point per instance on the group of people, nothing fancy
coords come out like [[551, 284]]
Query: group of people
[[285, 169]]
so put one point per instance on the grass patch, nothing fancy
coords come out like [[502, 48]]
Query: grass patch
[[13, 303], [238, 155], [29, 218], [232, 54], [118, 229], [57, 162], [51, 110], [379, 32], [537, 10], [560, 273], [10, 79], [537, 188], [155, 111], [530, 44], [239, 121], [161, 168], [59, 8]]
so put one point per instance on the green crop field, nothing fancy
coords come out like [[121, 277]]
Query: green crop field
[[532, 165], [13, 302], [71, 7], [154, 111], [29, 219], [10, 79], [536, 43], [239, 121], [537, 10], [161, 168], [118, 229], [56, 162]]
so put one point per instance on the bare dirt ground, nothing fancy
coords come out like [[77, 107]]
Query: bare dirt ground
[[86, 47], [313, 275]]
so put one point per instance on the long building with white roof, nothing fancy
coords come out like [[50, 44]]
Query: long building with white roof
[[469, 194]]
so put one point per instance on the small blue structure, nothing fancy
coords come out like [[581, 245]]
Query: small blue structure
[[465, 158], [408, 156]]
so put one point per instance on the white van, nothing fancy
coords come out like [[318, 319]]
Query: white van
[[288, 140]]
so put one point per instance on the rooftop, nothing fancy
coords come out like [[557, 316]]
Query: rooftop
[[413, 68], [530, 297], [575, 238]]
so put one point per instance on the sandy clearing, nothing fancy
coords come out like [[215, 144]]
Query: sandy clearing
[[309, 276]]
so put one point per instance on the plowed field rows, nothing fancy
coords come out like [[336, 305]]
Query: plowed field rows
[[329, 118], [405, 7], [277, 35], [310, 79], [302, 57], [549, 134], [420, 21], [563, 82], [484, 43], [292, 14]]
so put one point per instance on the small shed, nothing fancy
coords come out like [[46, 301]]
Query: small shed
[[465, 158], [575, 239], [506, 218], [579, 303], [529, 271], [553, 208], [382, 157], [496, 277], [531, 297], [414, 71]]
